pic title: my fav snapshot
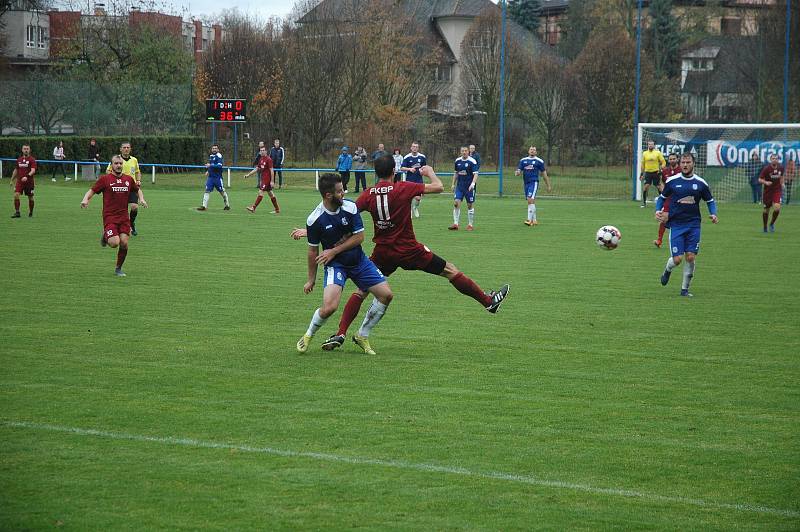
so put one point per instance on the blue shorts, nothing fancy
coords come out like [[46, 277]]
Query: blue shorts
[[364, 274], [462, 192], [214, 182], [531, 188], [684, 239]]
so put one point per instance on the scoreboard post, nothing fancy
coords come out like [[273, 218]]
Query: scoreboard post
[[228, 111]]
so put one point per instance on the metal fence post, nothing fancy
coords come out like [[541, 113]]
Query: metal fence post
[[153, 178]]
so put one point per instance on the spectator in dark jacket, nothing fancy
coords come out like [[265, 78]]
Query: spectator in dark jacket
[[93, 155], [278, 155], [753, 168]]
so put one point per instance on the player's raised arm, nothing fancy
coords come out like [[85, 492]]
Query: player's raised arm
[[435, 186]]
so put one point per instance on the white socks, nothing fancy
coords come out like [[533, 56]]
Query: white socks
[[316, 323], [225, 197], [532, 212], [205, 199], [688, 273], [374, 315], [670, 265], [471, 216], [456, 214]]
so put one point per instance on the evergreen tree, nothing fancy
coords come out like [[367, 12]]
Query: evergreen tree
[[525, 13], [664, 39]]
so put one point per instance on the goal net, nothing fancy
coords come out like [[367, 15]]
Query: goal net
[[726, 155]]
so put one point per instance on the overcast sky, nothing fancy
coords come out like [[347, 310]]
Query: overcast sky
[[264, 9]]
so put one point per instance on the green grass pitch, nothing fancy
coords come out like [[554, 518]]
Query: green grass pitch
[[595, 399]]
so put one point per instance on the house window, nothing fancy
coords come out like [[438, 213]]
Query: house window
[[433, 101], [30, 36], [731, 26], [446, 103], [43, 37], [444, 73]]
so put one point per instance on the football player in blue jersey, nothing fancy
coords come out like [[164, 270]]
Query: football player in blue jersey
[[411, 165], [336, 224], [530, 167], [465, 181], [214, 179], [685, 191]]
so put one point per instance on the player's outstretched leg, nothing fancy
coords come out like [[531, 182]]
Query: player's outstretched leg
[[668, 271], [121, 254], [275, 203], [254, 206], [382, 297], [351, 310], [317, 321], [498, 298], [688, 274]]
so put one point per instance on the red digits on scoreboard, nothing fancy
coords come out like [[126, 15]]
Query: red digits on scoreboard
[[238, 105]]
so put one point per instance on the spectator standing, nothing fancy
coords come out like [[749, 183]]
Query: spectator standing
[[343, 166], [753, 168], [380, 152], [58, 155], [788, 180], [475, 155], [398, 162], [360, 167], [278, 155], [93, 155]]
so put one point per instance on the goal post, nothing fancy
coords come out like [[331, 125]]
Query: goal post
[[725, 153]]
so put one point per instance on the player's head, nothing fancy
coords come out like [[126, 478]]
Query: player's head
[[262, 150], [214, 149], [773, 160], [26, 150], [471, 148], [276, 142], [116, 164], [532, 151], [464, 152], [125, 149], [673, 159], [415, 147], [331, 189], [384, 166], [687, 163], [651, 145], [381, 147]]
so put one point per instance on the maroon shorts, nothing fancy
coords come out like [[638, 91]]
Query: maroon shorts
[[266, 184], [388, 259], [772, 197], [115, 229], [24, 188]]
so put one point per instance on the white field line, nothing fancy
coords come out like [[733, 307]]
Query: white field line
[[399, 464]]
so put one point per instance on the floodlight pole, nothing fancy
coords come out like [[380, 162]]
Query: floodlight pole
[[502, 99], [636, 139], [786, 64]]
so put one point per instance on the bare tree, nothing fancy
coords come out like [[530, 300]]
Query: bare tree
[[480, 52], [547, 97]]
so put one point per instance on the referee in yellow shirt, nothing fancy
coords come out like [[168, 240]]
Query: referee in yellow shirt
[[652, 163]]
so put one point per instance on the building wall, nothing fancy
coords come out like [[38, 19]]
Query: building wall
[[22, 44], [453, 30]]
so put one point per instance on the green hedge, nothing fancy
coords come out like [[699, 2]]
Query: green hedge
[[176, 149]]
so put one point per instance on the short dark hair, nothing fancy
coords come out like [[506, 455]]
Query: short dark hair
[[327, 183], [384, 166]]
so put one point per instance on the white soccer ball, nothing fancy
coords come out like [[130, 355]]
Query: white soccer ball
[[608, 237]]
